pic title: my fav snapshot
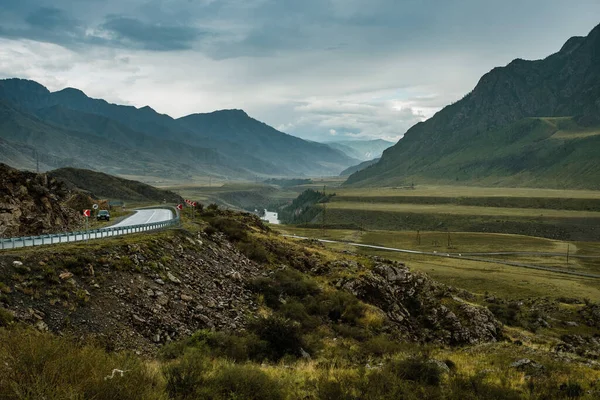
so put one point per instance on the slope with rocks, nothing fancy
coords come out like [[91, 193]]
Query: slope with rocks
[[143, 291], [531, 123], [34, 204]]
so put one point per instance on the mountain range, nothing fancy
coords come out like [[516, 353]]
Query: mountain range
[[530, 123], [363, 150], [69, 129]]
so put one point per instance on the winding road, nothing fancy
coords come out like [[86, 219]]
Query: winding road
[[141, 221], [466, 256]]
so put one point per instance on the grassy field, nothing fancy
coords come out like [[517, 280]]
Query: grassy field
[[460, 210], [468, 191], [480, 277]]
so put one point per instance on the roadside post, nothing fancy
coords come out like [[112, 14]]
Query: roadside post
[[86, 214]]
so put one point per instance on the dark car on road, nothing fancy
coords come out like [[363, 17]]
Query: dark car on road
[[103, 214]]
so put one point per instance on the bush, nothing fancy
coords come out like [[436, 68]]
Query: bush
[[282, 336], [380, 345], [286, 283], [475, 387], [241, 382], [36, 366], [6, 318], [254, 250], [210, 230], [416, 369], [185, 376], [234, 230], [338, 305]]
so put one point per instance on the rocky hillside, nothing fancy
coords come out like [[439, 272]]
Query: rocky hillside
[[530, 123], [34, 204], [241, 312], [145, 291]]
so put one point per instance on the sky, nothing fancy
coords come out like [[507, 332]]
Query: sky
[[323, 70]]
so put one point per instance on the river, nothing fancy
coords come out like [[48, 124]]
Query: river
[[271, 217]]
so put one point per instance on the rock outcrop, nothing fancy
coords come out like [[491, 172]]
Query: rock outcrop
[[33, 204], [422, 309]]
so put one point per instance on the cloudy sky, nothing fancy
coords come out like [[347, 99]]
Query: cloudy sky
[[319, 69]]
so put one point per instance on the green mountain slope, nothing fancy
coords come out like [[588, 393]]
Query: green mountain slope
[[355, 168], [531, 123]]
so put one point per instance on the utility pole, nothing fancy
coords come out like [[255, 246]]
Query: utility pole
[[37, 160], [449, 240], [324, 210], [418, 238], [568, 248]]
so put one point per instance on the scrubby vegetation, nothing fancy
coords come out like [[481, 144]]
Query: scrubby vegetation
[[313, 332], [303, 209]]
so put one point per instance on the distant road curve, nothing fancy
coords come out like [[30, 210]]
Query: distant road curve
[[146, 216], [459, 256], [142, 220]]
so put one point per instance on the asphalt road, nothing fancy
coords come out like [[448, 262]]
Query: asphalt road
[[461, 256], [145, 220], [142, 217]]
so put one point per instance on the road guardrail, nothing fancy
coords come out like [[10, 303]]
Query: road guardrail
[[90, 234]]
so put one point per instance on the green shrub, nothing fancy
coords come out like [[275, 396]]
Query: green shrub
[[241, 382], [254, 250], [339, 306], [463, 387], [284, 283], [210, 230], [380, 345], [6, 318], [572, 390], [233, 229], [282, 336], [418, 369], [185, 377], [43, 366]]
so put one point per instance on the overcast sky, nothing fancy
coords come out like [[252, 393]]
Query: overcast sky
[[318, 69]]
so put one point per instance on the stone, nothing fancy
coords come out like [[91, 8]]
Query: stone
[[159, 281], [17, 264], [162, 300], [137, 319], [150, 292], [41, 326], [173, 278], [65, 275], [186, 298]]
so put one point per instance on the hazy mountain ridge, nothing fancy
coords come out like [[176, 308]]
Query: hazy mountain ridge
[[363, 150], [355, 168], [490, 137], [226, 143]]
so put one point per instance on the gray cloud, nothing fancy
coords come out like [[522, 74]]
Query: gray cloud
[[357, 67], [135, 33], [50, 18]]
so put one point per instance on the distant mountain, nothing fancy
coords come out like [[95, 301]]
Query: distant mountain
[[362, 150], [70, 129], [227, 127], [531, 123], [355, 168]]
